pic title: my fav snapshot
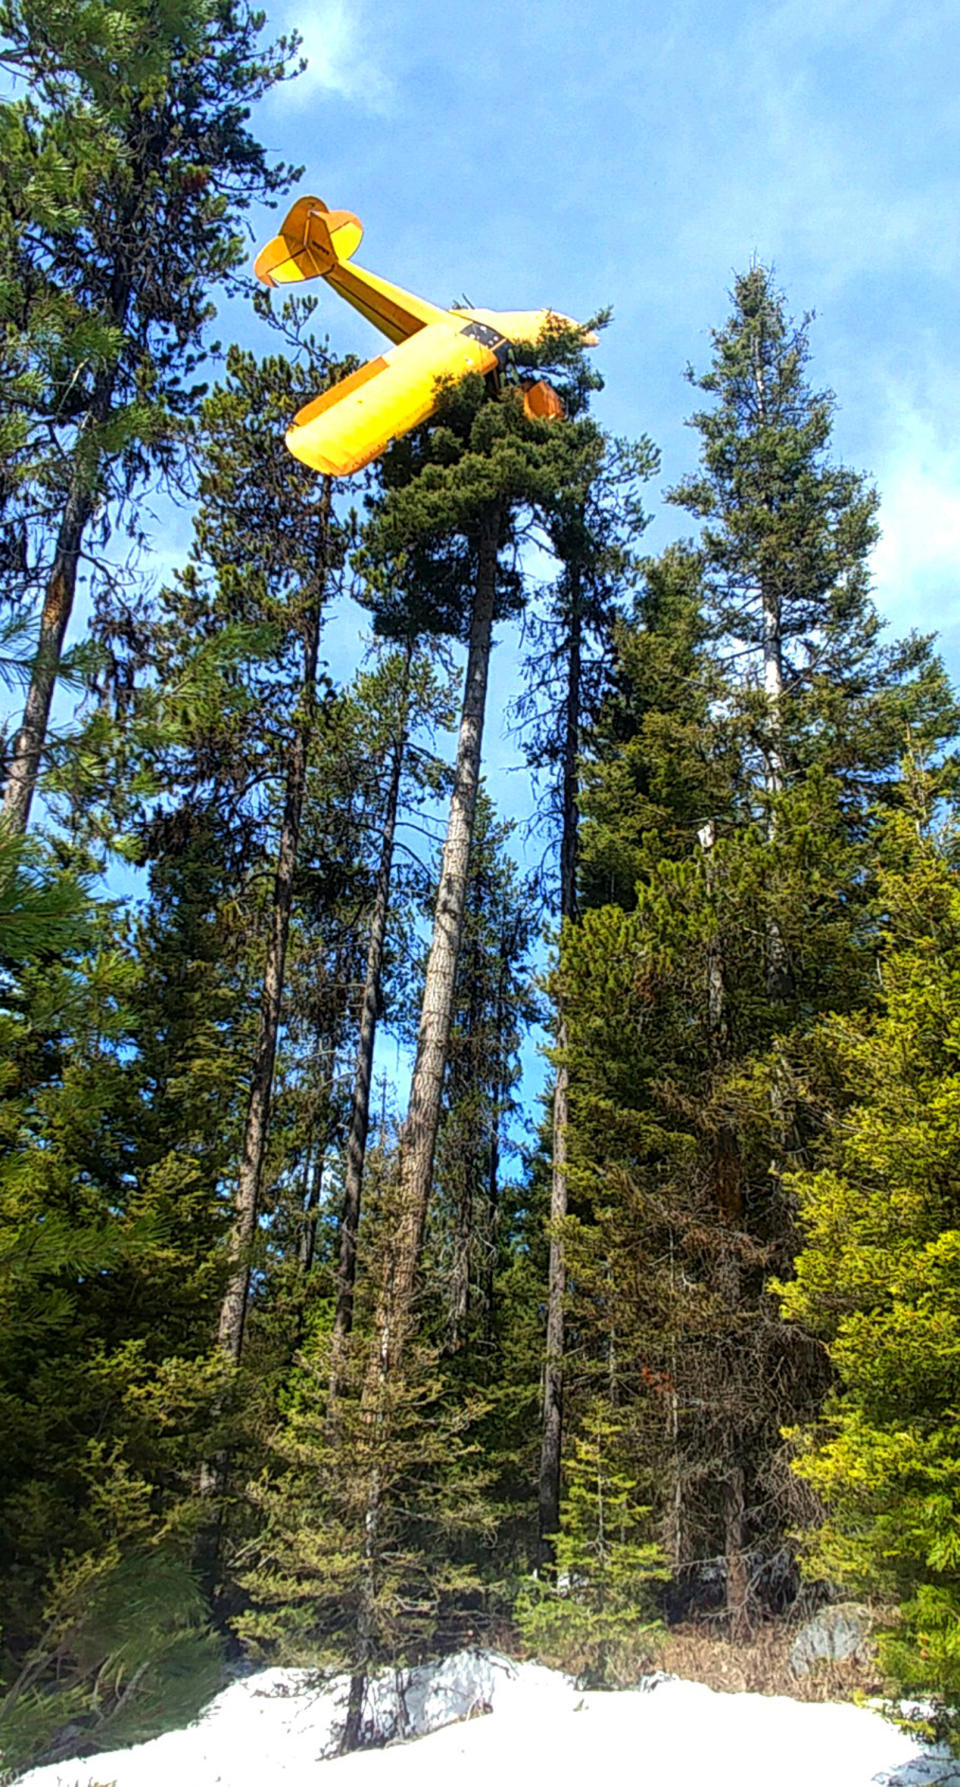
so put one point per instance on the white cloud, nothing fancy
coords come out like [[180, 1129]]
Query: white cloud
[[341, 56], [916, 563]]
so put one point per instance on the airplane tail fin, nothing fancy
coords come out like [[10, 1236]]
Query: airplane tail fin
[[312, 241]]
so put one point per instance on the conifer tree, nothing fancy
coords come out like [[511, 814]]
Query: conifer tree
[[342, 1578], [453, 497], [597, 1620], [106, 1384], [722, 812], [262, 525], [395, 701], [592, 530], [494, 1005], [876, 1275], [129, 164], [452, 501]]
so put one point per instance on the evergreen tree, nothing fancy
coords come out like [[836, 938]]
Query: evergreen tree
[[597, 1619], [785, 547], [341, 1578], [735, 821], [453, 499], [106, 1388], [128, 165], [494, 1005], [876, 1276], [394, 702], [593, 530]]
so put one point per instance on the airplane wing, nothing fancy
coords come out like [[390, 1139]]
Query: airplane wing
[[353, 422]]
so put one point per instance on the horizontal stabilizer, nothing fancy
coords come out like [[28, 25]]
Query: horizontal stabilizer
[[312, 241]]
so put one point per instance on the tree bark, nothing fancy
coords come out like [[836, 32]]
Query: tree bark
[[727, 1178], [508, 942], [737, 1580], [394, 1321], [493, 1219], [359, 1126], [233, 1308], [777, 967], [61, 588], [552, 1435], [419, 1137]]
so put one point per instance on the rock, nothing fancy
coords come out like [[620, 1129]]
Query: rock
[[834, 1635], [412, 1702]]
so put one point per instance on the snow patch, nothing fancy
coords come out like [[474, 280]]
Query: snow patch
[[280, 1726]]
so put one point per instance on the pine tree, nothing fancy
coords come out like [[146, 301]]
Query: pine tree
[[597, 1619], [741, 918], [106, 1388], [130, 165], [592, 529], [493, 1007], [876, 1276], [340, 1581], [395, 701], [452, 503]]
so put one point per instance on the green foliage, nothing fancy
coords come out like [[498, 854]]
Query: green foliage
[[391, 1515], [785, 549], [877, 1279], [126, 1653], [494, 1004], [735, 773], [128, 165], [418, 556], [40, 909], [372, 1511], [597, 1617], [104, 1312]]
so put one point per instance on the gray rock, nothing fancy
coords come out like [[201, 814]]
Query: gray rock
[[832, 1636]]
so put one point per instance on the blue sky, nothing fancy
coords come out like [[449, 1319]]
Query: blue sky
[[638, 156], [541, 153]]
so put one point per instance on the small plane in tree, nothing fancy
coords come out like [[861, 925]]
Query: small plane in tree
[[353, 422]]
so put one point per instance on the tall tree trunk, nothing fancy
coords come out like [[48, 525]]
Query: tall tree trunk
[[716, 989], [509, 935], [359, 1126], [552, 1436], [311, 1199], [674, 1533], [777, 966], [395, 1307], [61, 588], [459, 1315], [213, 1472], [234, 1306], [728, 1197], [492, 1218], [778, 977], [419, 1137], [734, 1519]]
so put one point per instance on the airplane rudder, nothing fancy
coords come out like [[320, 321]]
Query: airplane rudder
[[332, 236]]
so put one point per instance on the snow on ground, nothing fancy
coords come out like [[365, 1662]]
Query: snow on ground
[[276, 1726]]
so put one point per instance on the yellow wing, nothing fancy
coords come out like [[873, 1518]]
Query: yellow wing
[[356, 420], [353, 423]]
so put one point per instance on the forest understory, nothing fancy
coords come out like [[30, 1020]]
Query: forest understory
[[309, 1361]]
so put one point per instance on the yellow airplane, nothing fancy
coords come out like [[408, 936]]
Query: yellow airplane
[[353, 422]]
